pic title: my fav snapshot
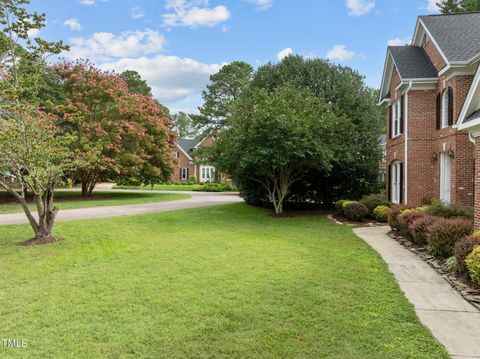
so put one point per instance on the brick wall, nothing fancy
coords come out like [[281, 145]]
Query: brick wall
[[182, 162], [477, 183], [433, 54], [425, 143]]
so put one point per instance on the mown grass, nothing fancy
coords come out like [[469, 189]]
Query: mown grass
[[163, 187], [220, 282], [72, 199]]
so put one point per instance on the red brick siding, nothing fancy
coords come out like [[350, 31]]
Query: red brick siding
[[477, 183], [424, 140], [434, 54], [182, 162]]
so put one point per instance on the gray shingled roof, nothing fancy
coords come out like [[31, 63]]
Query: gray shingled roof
[[412, 62], [473, 116], [458, 35], [188, 144]]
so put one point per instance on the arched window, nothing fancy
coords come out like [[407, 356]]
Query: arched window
[[447, 108]]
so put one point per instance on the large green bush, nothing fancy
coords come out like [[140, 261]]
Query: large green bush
[[372, 201], [473, 264], [439, 208]]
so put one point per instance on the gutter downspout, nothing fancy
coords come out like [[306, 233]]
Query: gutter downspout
[[405, 175]]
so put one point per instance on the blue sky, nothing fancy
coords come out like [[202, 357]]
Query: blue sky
[[177, 44]]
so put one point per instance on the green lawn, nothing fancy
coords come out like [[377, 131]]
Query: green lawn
[[219, 282], [163, 187], [72, 199]]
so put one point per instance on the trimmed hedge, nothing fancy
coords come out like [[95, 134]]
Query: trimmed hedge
[[445, 233], [473, 264], [381, 213], [462, 249], [355, 211], [372, 201]]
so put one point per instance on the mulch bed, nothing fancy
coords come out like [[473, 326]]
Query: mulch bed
[[336, 218], [461, 283]]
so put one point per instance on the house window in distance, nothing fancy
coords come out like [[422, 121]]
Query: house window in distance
[[184, 174], [396, 113]]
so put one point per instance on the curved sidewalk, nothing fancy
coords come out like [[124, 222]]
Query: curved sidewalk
[[450, 318], [197, 200]]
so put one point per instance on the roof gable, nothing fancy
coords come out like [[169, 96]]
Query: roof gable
[[412, 62], [456, 35]]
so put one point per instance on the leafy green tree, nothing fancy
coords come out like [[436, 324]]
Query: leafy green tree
[[31, 148], [135, 83], [184, 125], [355, 167], [456, 6], [274, 138], [225, 87]]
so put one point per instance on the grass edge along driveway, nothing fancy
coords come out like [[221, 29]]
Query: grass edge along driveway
[[72, 200], [219, 282]]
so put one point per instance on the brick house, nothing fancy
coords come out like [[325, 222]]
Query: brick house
[[186, 165], [430, 90]]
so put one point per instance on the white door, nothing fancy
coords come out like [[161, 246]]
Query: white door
[[445, 177]]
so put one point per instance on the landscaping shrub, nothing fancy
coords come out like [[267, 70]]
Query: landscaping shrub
[[372, 201], [445, 233], [438, 208], [214, 187], [473, 264], [355, 211], [339, 206], [419, 228], [381, 213], [395, 211], [405, 221], [462, 249]]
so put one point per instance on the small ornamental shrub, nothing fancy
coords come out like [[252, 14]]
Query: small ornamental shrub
[[419, 228], [381, 213], [355, 211], [476, 234], [439, 208], [405, 221], [473, 264], [339, 206], [395, 211], [451, 264], [445, 233], [372, 201], [463, 248], [214, 187], [347, 203]]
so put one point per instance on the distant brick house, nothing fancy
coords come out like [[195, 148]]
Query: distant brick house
[[186, 165], [431, 93]]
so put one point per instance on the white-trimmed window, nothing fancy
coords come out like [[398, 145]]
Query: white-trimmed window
[[207, 173], [396, 115], [175, 154], [184, 174], [445, 108], [396, 182]]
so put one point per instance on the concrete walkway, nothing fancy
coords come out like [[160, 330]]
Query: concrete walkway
[[197, 200], [450, 318]]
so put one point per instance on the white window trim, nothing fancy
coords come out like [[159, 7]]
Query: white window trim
[[207, 173], [445, 109], [395, 182], [184, 174], [396, 115]]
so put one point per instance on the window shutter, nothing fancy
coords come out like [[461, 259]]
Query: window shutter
[[180, 174], [401, 183], [402, 112], [439, 111], [188, 174], [450, 106], [389, 183], [390, 132]]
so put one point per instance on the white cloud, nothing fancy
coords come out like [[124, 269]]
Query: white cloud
[[284, 53], [431, 5], [399, 41], [32, 33], [87, 2], [359, 7], [340, 53], [261, 4], [194, 13], [137, 13], [73, 24], [105, 46], [173, 79]]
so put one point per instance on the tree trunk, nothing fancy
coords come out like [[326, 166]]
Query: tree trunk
[[46, 214], [89, 180]]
